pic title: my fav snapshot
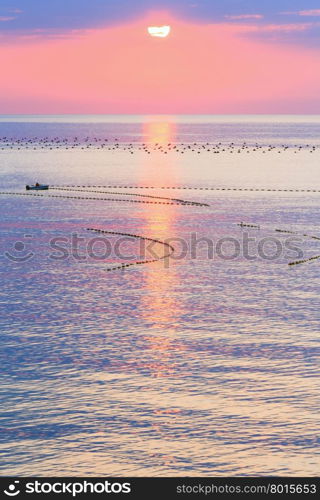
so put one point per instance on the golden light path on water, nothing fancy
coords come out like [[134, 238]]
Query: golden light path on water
[[159, 305]]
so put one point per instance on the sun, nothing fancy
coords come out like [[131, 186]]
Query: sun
[[160, 31]]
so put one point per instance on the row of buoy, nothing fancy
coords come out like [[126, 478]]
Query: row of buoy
[[296, 232], [101, 199], [287, 231], [254, 226], [137, 236], [121, 266], [131, 235], [174, 200], [171, 248], [293, 263], [275, 190]]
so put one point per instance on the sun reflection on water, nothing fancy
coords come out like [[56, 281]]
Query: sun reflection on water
[[159, 306]]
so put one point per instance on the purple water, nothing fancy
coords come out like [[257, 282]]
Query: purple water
[[203, 364]]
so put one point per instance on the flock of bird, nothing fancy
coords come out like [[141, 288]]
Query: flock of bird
[[36, 143]]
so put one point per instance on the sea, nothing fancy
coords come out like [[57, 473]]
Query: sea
[[183, 340]]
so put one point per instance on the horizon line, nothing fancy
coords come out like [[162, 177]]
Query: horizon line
[[159, 114]]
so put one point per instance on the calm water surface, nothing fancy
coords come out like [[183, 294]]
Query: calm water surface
[[202, 365]]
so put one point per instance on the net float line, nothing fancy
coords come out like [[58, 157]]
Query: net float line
[[213, 188], [286, 231], [170, 249], [87, 189], [242, 224], [95, 198]]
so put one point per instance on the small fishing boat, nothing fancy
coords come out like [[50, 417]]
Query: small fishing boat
[[37, 186]]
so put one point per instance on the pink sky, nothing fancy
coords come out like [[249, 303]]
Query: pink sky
[[196, 69]]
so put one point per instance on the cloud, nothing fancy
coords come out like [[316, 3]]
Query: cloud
[[61, 18], [243, 16], [301, 35], [305, 13], [314, 12], [287, 27]]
